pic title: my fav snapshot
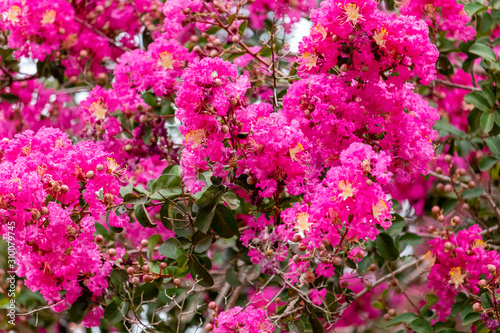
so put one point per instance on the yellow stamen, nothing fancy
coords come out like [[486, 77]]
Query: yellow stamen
[[303, 221], [98, 110], [310, 59], [379, 37], [13, 14], [346, 188], [49, 17], [456, 276], [379, 209], [195, 137], [166, 60], [295, 151], [320, 29], [352, 13]]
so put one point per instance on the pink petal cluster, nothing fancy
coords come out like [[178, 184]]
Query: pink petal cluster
[[441, 15], [247, 319], [43, 178]]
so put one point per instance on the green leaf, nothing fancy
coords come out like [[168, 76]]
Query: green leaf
[[143, 217], [444, 128], [211, 197], [80, 308], [483, 51], [486, 301], [386, 247], [152, 241], [431, 299], [224, 224], [406, 317], [472, 193], [10, 98], [212, 30], [232, 277], [144, 293], [166, 181], [115, 310], [409, 239], [119, 279], [487, 163], [201, 241], [449, 205], [486, 22], [473, 7], [204, 219], [243, 27], [265, 52], [378, 305], [199, 272], [316, 325], [471, 318], [166, 193], [150, 99], [493, 145], [487, 121], [172, 248], [476, 99], [421, 326]]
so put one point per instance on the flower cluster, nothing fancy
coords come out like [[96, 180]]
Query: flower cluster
[[37, 107], [441, 15], [366, 43], [459, 263], [249, 319], [75, 33], [53, 192]]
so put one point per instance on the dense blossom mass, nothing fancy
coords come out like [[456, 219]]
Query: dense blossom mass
[[176, 164]]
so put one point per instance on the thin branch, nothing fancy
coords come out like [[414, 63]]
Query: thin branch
[[456, 85]]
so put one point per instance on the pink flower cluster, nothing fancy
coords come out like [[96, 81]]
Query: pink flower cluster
[[249, 319], [366, 43], [37, 107], [441, 15], [77, 33], [43, 179], [459, 262]]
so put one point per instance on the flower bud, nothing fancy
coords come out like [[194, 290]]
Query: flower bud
[[143, 118], [392, 312], [448, 246], [365, 68], [217, 42], [84, 53], [145, 269], [482, 283], [491, 268], [99, 9], [112, 252], [439, 170], [163, 265], [235, 39], [477, 307], [212, 305], [128, 147], [99, 238], [465, 207], [194, 39], [218, 82], [90, 174], [251, 181], [99, 167], [147, 278], [369, 182], [44, 210], [64, 188], [447, 158], [135, 281], [144, 243], [455, 220], [296, 238], [62, 31], [440, 218], [440, 187], [360, 254], [197, 49], [471, 184], [177, 282], [209, 327], [436, 210], [351, 37], [337, 261], [233, 101], [302, 247], [214, 53], [73, 79], [344, 68], [335, 38], [448, 188], [130, 270], [372, 268], [224, 129]]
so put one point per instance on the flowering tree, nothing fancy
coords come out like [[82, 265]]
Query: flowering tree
[[178, 167]]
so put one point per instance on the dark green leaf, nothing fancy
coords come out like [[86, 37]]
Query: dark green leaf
[[172, 248], [144, 293], [143, 217], [421, 326], [115, 310], [242, 27], [166, 181], [119, 279], [487, 163], [431, 299], [493, 145], [487, 121], [316, 325], [483, 51], [150, 99], [473, 193], [406, 317], [232, 277], [386, 247], [152, 241], [80, 308], [449, 205], [224, 224], [473, 7], [486, 301], [476, 99], [471, 318], [198, 272], [9, 98], [201, 241]]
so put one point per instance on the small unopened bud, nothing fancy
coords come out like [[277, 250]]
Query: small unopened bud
[[130, 270], [112, 252], [62, 31], [360, 254], [296, 238], [461, 171], [278, 300], [177, 282], [372, 268], [214, 53], [477, 307], [90, 174], [157, 216], [218, 82], [217, 42], [44, 210], [392, 312], [439, 170], [447, 158], [365, 68], [194, 39], [147, 278], [337, 261], [431, 229], [144, 243], [440, 187], [448, 246], [235, 39], [209, 327], [99, 167], [163, 265], [84, 53], [64, 188], [387, 317], [440, 218], [448, 188], [335, 38], [471, 184], [186, 10], [369, 182], [145, 268], [135, 281], [99, 238], [35, 214], [233, 101], [351, 37], [344, 68], [491, 268], [143, 118], [212, 305], [224, 129], [251, 181], [344, 284], [73, 79], [482, 283], [197, 49], [465, 207], [302, 247], [99, 9], [455, 219], [436, 210]]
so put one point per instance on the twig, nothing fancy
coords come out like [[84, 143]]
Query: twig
[[102, 34], [456, 85]]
